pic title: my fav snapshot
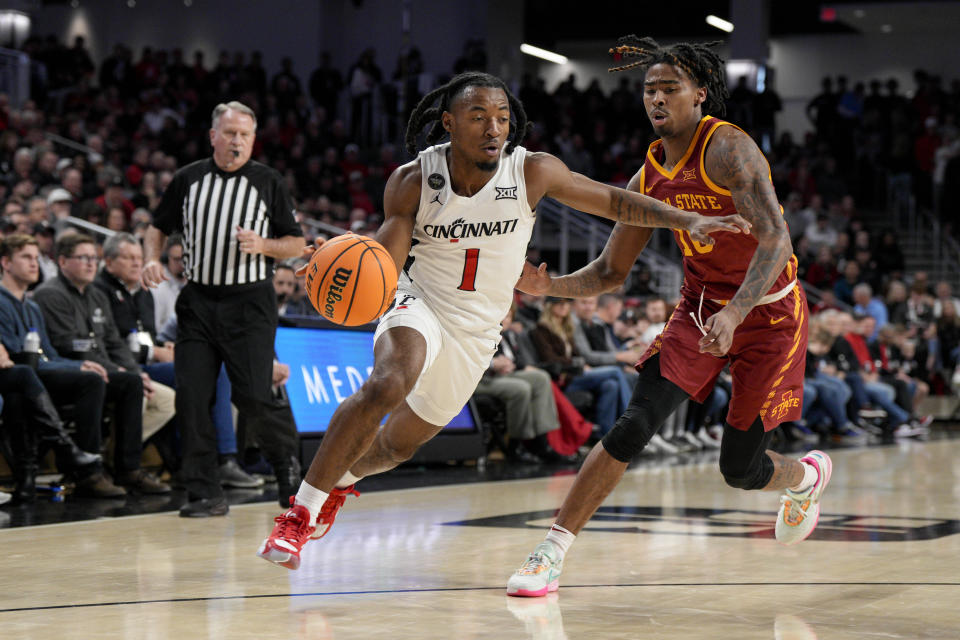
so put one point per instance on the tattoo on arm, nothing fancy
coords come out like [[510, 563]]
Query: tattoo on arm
[[643, 211], [595, 278], [734, 160], [582, 283]]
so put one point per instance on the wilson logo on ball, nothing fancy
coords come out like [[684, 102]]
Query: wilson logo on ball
[[335, 292]]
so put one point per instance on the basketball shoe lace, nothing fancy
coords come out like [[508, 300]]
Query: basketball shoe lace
[[328, 512], [538, 562], [292, 527], [796, 505]]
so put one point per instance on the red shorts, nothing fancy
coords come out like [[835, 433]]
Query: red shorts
[[767, 359]]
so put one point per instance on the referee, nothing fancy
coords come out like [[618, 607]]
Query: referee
[[236, 218]]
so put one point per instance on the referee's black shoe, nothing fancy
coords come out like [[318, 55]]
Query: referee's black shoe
[[205, 508]]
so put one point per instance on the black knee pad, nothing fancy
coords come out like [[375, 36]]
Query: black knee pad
[[630, 434], [654, 399], [744, 462], [755, 477]]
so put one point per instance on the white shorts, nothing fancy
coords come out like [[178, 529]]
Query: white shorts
[[454, 363]]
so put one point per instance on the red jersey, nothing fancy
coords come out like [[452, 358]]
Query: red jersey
[[720, 267]]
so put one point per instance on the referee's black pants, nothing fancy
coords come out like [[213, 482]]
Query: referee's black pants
[[235, 326]]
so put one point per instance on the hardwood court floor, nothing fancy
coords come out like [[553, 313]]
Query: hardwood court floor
[[673, 553]]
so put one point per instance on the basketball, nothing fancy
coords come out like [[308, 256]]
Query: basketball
[[351, 280]]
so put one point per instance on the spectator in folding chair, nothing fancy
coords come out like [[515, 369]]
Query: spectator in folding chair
[[525, 390], [851, 356], [80, 383], [80, 321], [553, 339], [30, 421]]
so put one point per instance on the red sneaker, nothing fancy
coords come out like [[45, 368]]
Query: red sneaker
[[291, 532], [328, 513]]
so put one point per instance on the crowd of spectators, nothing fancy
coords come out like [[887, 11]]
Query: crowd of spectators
[[333, 136], [100, 143]]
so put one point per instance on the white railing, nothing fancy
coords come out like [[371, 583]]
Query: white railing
[[924, 227], [323, 227], [67, 142], [95, 229]]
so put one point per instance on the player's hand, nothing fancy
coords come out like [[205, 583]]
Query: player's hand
[[249, 241], [719, 330], [534, 280], [152, 274], [702, 226], [307, 254], [95, 367]]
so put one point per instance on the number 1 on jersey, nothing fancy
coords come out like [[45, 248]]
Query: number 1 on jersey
[[469, 279]]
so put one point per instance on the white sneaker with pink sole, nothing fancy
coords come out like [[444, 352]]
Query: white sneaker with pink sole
[[800, 510]]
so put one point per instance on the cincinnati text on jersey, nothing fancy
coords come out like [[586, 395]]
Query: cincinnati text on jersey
[[460, 229]]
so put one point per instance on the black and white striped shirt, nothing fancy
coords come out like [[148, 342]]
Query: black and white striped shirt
[[207, 205]]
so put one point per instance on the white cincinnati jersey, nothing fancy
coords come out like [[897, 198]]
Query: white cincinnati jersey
[[468, 253]]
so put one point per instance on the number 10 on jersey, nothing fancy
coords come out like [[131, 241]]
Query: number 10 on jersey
[[685, 242], [468, 280]]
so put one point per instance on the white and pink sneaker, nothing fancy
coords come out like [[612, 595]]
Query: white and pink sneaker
[[539, 575], [800, 510]]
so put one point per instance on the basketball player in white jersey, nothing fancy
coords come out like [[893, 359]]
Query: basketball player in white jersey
[[457, 220]]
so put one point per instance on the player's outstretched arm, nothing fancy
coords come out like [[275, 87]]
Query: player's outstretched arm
[[605, 273], [734, 161], [401, 199], [550, 177]]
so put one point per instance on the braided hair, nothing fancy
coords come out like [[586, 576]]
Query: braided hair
[[424, 113], [698, 61]]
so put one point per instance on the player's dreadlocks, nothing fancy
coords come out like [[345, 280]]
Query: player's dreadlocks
[[698, 61], [424, 113]]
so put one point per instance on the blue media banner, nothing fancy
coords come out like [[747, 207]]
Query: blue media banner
[[326, 366]]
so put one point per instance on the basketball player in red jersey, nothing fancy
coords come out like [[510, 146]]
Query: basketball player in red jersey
[[740, 304], [457, 221]]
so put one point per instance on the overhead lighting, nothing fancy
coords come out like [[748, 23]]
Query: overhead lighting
[[720, 23], [886, 28], [537, 52]]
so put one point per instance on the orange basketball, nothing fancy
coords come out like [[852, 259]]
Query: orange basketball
[[351, 280]]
